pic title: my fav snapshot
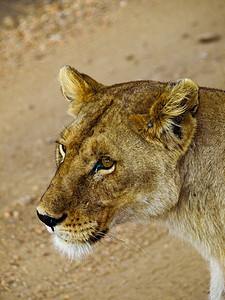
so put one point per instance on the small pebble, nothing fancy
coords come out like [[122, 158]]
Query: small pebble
[[184, 34], [9, 22], [130, 57], [7, 214], [15, 214], [123, 4], [208, 37], [55, 37], [38, 229], [16, 258], [35, 188], [204, 55], [24, 200]]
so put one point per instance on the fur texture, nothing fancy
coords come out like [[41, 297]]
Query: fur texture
[[140, 151]]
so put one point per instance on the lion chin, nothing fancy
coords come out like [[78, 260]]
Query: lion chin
[[73, 250]]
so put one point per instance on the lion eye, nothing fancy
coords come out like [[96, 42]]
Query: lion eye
[[62, 150], [104, 163], [107, 162]]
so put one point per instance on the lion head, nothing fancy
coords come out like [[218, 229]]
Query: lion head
[[118, 159]]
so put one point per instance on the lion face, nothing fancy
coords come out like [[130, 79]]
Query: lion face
[[117, 161]]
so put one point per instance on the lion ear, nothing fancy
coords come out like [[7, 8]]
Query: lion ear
[[77, 87], [171, 119]]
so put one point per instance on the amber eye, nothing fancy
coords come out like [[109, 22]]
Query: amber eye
[[107, 162], [62, 150], [60, 153], [104, 163]]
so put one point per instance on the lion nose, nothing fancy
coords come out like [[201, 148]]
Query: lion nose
[[49, 221]]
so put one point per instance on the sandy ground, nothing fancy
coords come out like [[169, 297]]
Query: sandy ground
[[120, 41]]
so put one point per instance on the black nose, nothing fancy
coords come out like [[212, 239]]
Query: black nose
[[51, 222]]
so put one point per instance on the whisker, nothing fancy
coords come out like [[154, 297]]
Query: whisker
[[89, 246], [140, 248], [62, 125], [133, 228], [129, 242], [119, 240], [115, 239], [98, 236]]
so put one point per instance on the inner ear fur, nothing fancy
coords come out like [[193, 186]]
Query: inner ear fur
[[77, 88], [171, 119]]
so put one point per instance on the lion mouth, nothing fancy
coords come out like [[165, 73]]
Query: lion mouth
[[95, 238], [76, 249]]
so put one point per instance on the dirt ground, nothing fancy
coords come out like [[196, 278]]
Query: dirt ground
[[112, 41]]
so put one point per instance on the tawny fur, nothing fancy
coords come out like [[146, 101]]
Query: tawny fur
[[165, 150]]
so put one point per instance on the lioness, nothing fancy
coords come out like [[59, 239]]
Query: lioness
[[145, 151]]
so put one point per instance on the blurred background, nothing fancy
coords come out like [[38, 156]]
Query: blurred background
[[112, 41]]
